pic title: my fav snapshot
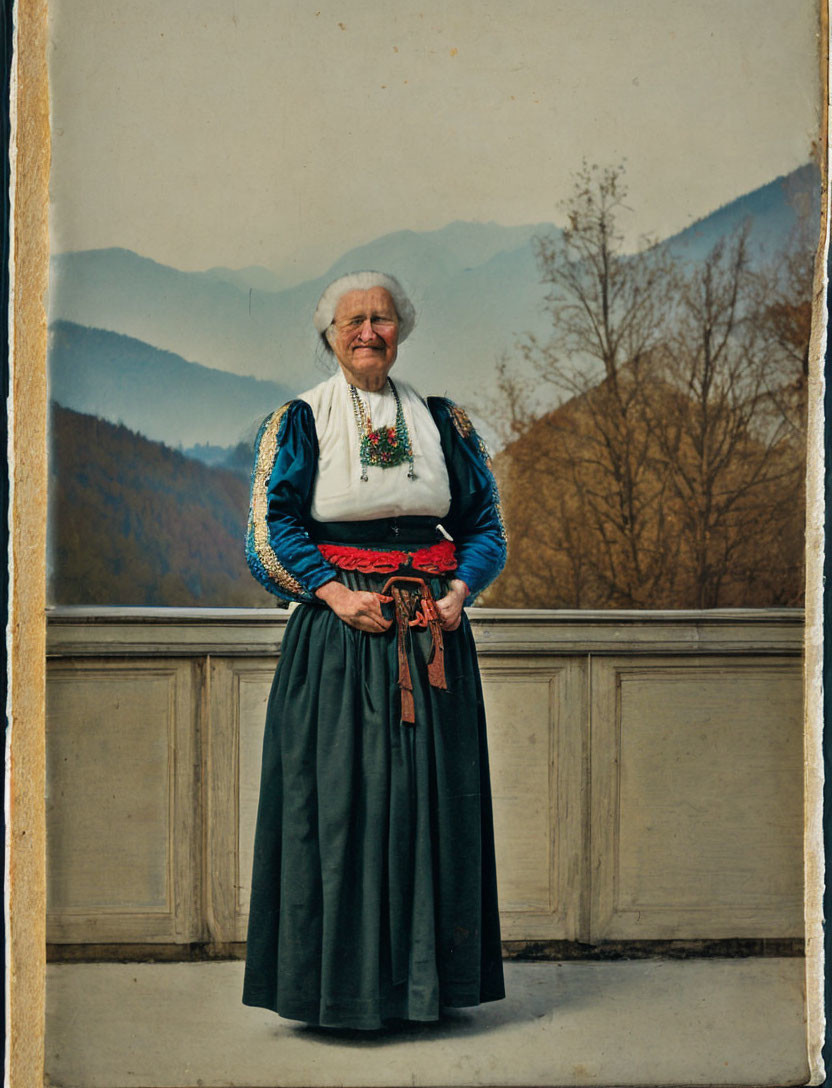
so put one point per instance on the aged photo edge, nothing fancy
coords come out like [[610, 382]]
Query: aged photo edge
[[25, 752]]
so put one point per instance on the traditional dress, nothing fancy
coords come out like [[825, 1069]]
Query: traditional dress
[[374, 890]]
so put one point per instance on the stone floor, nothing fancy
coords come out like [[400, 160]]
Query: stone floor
[[644, 1022]]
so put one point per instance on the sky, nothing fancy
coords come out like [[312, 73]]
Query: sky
[[282, 133]]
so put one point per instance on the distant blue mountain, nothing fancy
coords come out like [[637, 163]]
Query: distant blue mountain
[[255, 277], [156, 393], [438, 254], [469, 312], [774, 211], [476, 287]]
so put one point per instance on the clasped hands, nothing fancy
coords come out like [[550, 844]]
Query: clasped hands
[[362, 609]]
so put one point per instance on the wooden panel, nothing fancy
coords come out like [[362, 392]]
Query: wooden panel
[[252, 698], [697, 799], [122, 810], [536, 770], [696, 793], [239, 694], [536, 726]]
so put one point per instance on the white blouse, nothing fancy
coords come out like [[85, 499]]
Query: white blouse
[[339, 492]]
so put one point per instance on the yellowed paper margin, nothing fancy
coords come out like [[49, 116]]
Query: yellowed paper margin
[[25, 844], [814, 633], [25, 766]]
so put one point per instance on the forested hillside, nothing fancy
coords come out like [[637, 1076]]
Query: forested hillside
[[133, 522], [608, 505]]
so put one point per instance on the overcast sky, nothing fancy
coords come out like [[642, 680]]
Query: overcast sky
[[280, 132]]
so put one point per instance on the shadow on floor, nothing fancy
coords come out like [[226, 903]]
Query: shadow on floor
[[548, 989]]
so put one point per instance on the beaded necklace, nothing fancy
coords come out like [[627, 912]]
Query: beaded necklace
[[387, 446]]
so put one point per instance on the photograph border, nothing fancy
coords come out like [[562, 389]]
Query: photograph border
[[25, 871]]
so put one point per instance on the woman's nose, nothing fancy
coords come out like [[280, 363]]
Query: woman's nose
[[367, 332]]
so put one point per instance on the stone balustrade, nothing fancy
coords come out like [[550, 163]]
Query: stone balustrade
[[647, 771]]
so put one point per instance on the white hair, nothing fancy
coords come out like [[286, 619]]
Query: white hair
[[363, 281]]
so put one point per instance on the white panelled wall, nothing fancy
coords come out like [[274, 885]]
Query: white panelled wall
[[647, 772]]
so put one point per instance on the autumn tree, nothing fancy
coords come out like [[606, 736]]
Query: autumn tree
[[730, 474], [664, 477], [593, 457], [784, 312]]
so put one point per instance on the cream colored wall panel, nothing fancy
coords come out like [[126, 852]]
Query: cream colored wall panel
[[697, 785], [535, 712], [535, 747], [239, 695], [522, 769], [253, 697], [121, 802], [693, 754]]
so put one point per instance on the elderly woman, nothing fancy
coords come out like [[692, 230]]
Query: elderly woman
[[373, 890]]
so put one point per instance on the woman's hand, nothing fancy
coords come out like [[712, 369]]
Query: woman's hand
[[449, 607], [357, 607]]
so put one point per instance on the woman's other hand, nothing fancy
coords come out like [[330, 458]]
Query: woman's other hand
[[357, 607], [449, 607]]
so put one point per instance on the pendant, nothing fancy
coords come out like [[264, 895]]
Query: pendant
[[385, 447]]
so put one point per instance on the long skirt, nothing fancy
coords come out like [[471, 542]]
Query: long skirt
[[374, 892]]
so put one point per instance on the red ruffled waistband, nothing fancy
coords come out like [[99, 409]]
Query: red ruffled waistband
[[436, 559]]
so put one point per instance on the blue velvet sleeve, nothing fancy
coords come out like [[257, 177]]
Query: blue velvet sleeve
[[475, 518], [279, 551]]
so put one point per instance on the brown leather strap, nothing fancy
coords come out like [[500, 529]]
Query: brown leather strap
[[436, 661], [401, 602], [408, 593]]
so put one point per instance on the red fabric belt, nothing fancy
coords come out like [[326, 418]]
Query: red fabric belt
[[436, 559]]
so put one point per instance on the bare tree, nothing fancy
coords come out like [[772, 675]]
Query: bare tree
[[729, 473], [607, 307], [608, 310], [667, 475], [784, 308]]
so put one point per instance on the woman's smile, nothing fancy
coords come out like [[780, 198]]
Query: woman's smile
[[365, 336]]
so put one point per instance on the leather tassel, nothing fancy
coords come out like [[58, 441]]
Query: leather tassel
[[408, 594]]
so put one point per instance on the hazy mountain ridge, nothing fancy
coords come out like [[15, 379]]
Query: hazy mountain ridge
[[157, 393], [775, 210], [254, 277], [476, 287], [269, 334], [133, 521], [449, 251]]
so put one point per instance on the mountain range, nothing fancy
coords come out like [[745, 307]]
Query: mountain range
[[157, 393], [475, 286], [775, 211]]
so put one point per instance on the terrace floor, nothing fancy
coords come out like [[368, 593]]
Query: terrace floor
[[636, 1022]]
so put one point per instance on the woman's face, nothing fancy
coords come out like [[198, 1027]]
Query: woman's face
[[365, 336]]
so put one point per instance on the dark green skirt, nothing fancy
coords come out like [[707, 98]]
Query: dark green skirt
[[374, 892]]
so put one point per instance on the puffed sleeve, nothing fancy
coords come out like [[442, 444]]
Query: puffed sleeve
[[279, 551], [475, 518]]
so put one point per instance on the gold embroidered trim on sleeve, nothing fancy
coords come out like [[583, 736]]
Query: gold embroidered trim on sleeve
[[465, 428], [460, 419], [266, 456]]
